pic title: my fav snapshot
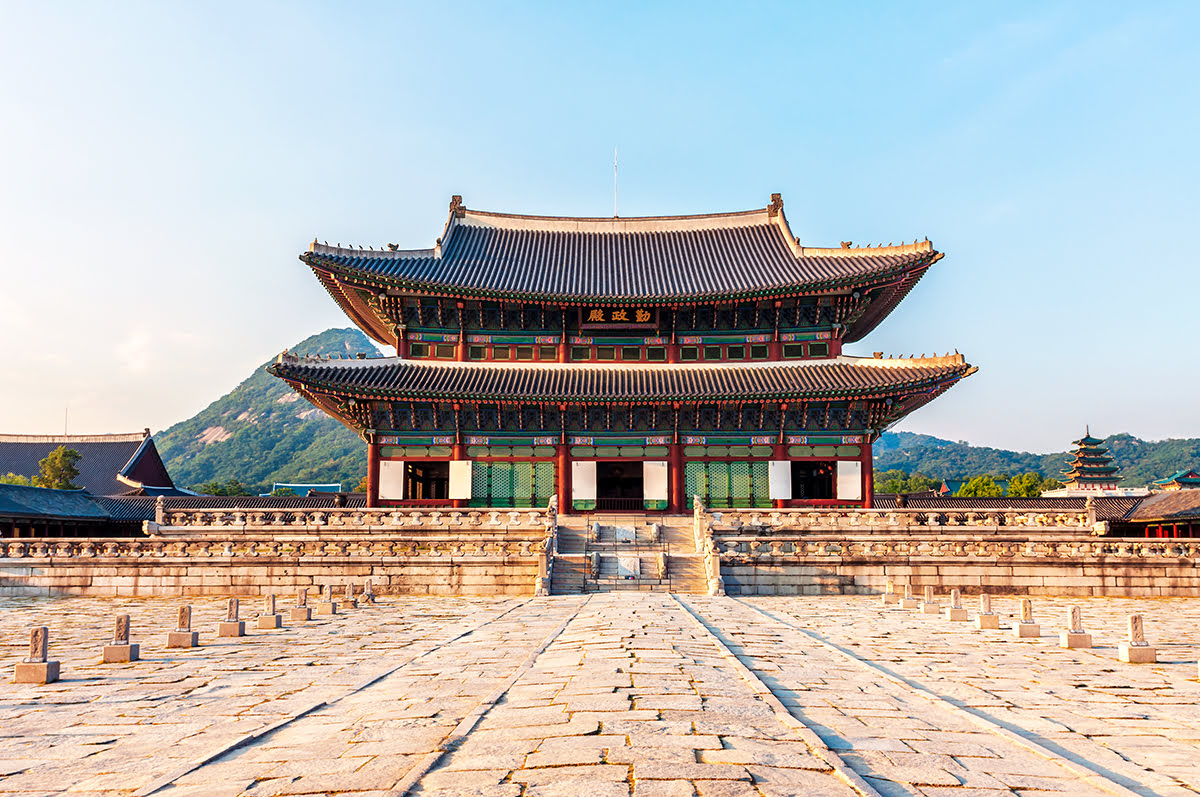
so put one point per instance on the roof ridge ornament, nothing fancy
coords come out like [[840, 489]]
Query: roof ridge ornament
[[775, 206], [457, 208]]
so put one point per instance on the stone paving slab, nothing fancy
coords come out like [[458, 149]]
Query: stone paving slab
[[620, 693]]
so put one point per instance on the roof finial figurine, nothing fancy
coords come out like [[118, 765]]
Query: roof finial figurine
[[457, 207], [846, 244], [393, 247], [776, 205]]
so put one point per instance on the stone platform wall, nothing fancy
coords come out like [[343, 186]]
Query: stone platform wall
[[1026, 553], [234, 553]]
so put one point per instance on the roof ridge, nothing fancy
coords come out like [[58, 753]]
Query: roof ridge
[[876, 362], [133, 437]]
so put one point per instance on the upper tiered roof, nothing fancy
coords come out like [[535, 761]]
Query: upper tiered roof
[[650, 260]]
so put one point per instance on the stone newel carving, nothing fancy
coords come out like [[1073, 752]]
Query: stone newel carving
[[121, 630], [39, 644]]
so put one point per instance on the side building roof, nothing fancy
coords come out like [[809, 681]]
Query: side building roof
[[646, 260], [109, 463]]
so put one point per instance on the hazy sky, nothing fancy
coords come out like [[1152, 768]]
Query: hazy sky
[[162, 165]]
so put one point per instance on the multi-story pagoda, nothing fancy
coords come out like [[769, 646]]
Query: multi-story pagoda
[[620, 363], [1092, 466]]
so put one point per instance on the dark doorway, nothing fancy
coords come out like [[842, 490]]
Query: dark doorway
[[619, 486], [812, 480], [427, 481]]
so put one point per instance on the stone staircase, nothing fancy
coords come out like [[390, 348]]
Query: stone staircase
[[626, 536]]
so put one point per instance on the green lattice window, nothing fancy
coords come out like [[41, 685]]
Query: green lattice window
[[512, 483]]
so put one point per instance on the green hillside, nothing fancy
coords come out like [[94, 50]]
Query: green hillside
[[1141, 461], [263, 432]]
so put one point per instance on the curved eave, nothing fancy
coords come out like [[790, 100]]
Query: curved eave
[[918, 389], [898, 279], [346, 297]]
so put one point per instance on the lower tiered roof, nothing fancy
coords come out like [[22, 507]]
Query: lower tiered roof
[[330, 382]]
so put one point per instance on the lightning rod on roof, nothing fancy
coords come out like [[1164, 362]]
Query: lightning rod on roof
[[614, 182]]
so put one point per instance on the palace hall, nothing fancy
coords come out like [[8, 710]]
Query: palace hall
[[620, 364]]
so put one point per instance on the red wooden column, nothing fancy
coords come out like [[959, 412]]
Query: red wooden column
[[677, 501], [458, 452], [562, 349], [372, 474], [868, 470], [563, 482], [401, 342], [779, 451]]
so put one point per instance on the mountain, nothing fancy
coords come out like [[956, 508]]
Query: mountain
[[263, 432], [1141, 461]]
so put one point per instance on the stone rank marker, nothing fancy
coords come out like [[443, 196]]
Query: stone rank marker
[[183, 636], [986, 620], [930, 606], [909, 602], [889, 596], [232, 626], [368, 595], [1137, 650], [37, 669], [1026, 628], [955, 611], [121, 651], [347, 601], [1074, 636], [269, 617], [301, 612], [327, 605]]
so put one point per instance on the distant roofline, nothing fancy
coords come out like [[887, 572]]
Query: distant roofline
[[133, 437]]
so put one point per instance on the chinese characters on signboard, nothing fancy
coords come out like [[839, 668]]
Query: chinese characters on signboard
[[616, 316]]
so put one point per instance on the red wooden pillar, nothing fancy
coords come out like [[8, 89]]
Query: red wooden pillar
[[401, 343], [459, 452], [460, 351], [779, 451], [677, 502], [563, 481], [372, 474], [868, 470]]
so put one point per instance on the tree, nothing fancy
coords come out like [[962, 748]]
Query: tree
[[231, 487], [362, 486], [980, 487], [1027, 485], [279, 492], [57, 470], [15, 478], [897, 481]]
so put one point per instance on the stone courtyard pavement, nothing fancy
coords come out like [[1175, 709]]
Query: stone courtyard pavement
[[611, 694]]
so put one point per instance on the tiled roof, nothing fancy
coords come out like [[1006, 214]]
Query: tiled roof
[[142, 507], [1174, 505], [109, 464], [36, 502], [840, 377], [648, 259], [1107, 508]]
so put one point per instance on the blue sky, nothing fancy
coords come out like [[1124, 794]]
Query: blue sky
[[162, 164]]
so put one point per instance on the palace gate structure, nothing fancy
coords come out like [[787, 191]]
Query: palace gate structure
[[620, 364]]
